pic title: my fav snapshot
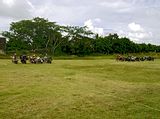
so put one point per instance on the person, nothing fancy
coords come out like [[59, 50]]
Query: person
[[34, 58], [23, 59], [45, 57], [14, 58]]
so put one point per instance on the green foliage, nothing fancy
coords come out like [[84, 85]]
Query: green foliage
[[77, 41], [32, 35], [42, 36]]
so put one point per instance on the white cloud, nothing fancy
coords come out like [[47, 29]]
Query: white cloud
[[15, 9], [135, 27], [98, 20], [9, 3], [30, 4], [89, 24], [136, 33], [106, 15], [137, 36], [5, 24], [140, 36], [111, 4]]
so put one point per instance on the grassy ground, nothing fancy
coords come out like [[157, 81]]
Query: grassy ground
[[80, 89]]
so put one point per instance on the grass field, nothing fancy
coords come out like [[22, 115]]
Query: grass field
[[80, 89]]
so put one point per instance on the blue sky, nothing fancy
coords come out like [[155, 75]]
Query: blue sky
[[136, 19]]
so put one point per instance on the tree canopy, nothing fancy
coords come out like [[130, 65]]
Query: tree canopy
[[41, 35]]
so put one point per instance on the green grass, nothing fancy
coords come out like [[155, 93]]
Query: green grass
[[80, 89]]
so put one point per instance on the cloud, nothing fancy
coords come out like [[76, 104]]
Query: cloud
[[15, 9], [120, 4], [30, 4], [9, 3], [136, 33], [135, 27], [89, 23], [139, 37], [5, 24], [105, 15]]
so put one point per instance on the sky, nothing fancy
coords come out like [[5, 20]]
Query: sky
[[138, 20]]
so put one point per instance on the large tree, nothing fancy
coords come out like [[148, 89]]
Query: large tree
[[36, 34], [79, 40], [41, 35]]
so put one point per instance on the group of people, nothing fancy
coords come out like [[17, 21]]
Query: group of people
[[32, 59], [134, 58]]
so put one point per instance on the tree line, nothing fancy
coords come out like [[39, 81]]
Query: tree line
[[39, 35]]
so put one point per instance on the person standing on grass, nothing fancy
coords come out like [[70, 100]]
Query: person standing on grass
[[14, 58]]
